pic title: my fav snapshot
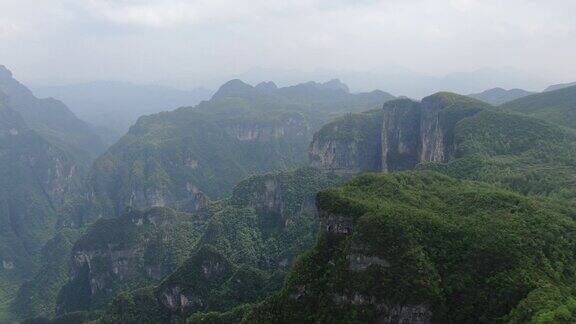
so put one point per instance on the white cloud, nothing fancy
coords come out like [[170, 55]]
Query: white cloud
[[155, 39], [170, 13]]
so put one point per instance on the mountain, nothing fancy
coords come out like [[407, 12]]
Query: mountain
[[114, 106], [50, 118], [37, 180], [420, 247], [173, 158], [559, 86], [457, 135], [401, 80], [558, 106], [240, 247], [498, 96]]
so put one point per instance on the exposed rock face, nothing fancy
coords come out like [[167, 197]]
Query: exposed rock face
[[132, 251], [37, 178], [410, 133], [143, 199], [349, 145], [338, 225], [206, 270], [401, 135], [337, 156], [292, 126]]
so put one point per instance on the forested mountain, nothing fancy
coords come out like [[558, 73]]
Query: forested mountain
[[454, 134], [45, 152], [420, 247], [557, 106], [498, 96], [175, 158], [50, 118], [114, 106], [174, 264], [37, 179], [193, 216], [559, 86]]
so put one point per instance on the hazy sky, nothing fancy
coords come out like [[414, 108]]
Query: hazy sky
[[170, 41]]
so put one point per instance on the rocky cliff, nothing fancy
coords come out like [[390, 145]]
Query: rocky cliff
[[347, 145], [402, 135], [247, 245], [170, 158], [458, 136], [134, 251], [37, 179]]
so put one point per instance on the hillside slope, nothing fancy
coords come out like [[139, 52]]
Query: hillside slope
[[420, 247], [37, 179], [498, 96], [50, 118], [558, 106], [115, 106]]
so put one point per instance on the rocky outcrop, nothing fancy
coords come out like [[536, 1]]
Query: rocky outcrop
[[291, 127], [351, 144], [336, 225], [400, 135], [142, 199], [188, 289], [136, 250], [37, 178], [410, 133]]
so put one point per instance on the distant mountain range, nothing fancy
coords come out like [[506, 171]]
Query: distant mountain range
[[559, 86], [403, 81], [557, 106], [498, 96], [112, 107]]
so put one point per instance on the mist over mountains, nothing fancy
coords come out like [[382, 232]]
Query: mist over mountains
[[403, 81], [114, 106], [287, 161], [160, 205]]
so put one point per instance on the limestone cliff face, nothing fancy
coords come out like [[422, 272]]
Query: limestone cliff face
[[205, 270], [136, 250], [410, 133], [351, 144], [401, 135], [189, 200], [287, 127], [37, 178], [337, 156]]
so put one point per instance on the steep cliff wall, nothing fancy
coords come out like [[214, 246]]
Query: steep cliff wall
[[350, 144], [401, 135], [37, 179], [287, 126], [409, 133], [134, 251]]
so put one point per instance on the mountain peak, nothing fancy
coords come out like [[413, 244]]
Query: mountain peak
[[267, 86], [233, 88], [336, 84]]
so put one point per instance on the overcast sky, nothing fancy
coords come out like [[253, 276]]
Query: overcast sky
[[170, 41]]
